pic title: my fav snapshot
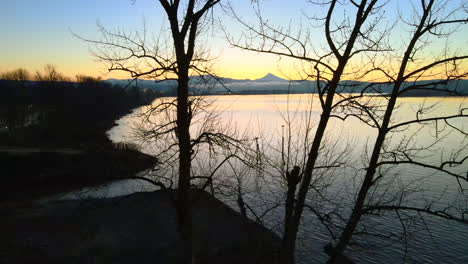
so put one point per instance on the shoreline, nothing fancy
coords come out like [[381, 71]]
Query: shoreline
[[135, 228], [71, 170]]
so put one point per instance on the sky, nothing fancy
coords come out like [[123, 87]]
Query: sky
[[36, 33]]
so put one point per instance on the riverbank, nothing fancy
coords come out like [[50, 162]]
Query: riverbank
[[137, 228], [53, 136], [32, 173]]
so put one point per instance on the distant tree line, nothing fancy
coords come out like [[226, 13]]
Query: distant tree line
[[50, 109]]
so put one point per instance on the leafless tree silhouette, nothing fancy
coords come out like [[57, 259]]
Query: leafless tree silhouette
[[360, 49], [434, 19], [181, 126], [348, 41]]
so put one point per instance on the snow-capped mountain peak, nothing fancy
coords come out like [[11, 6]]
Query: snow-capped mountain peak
[[270, 78]]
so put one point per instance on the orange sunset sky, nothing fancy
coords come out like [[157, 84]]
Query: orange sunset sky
[[36, 33]]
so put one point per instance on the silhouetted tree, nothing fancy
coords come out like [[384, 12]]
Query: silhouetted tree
[[15, 98], [346, 43], [19, 75], [432, 20], [52, 111], [176, 57], [50, 74]]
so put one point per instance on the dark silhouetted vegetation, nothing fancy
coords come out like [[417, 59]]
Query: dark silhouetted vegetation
[[53, 111], [53, 132]]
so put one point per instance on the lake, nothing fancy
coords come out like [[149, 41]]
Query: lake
[[276, 124]]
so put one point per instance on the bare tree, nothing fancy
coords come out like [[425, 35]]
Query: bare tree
[[50, 75], [347, 42], [18, 75], [432, 20], [174, 57]]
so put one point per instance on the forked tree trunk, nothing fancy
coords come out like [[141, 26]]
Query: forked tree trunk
[[184, 36], [289, 238], [368, 179], [357, 212], [288, 245]]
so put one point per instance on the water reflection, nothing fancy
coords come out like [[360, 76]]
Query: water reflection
[[272, 117]]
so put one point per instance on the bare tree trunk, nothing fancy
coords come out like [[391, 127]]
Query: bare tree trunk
[[183, 191], [421, 28], [184, 19], [184, 44], [292, 224], [290, 234], [368, 179], [287, 248]]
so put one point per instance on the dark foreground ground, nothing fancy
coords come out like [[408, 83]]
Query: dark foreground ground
[[53, 140], [138, 228]]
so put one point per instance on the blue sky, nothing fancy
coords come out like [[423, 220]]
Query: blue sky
[[39, 32], [35, 33]]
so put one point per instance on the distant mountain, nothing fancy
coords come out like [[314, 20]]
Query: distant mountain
[[271, 84], [270, 78]]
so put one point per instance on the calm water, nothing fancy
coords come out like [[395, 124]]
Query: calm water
[[271, 118]]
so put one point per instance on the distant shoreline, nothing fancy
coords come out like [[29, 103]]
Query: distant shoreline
[[271, 84], [290, 93]]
